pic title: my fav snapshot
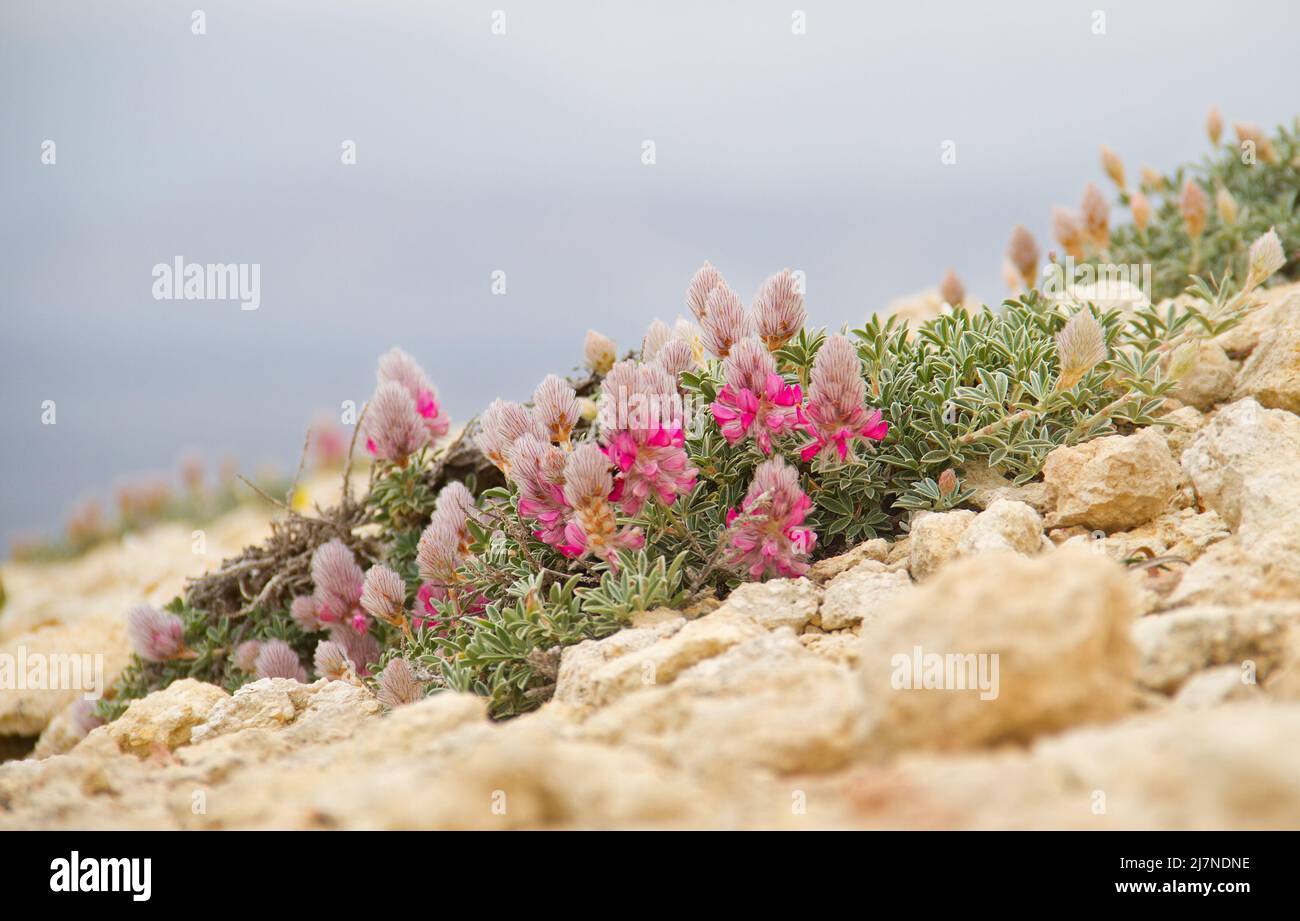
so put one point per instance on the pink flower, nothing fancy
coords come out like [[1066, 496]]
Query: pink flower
[[339, 581], [779, 312], [537, 469], [332, 663], [756, 401], [837, 414], [155, 636], [399, 367], [394, 428], [278, 660], [445, 542], [675, 357], [766, 536], [594, 527], [641, 427]]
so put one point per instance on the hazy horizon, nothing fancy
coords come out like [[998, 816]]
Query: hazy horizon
[[522, 152]]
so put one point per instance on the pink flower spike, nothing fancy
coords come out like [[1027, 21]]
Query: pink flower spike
[[766, 535], [837, 413], [155, 636]]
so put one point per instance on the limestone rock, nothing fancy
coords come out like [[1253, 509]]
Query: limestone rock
[[1112, 483], [1272, 373], [990, 485], [776, 603], [765, 703], [595, 678], [1243, 465], [26, 711], [1006, 525], [1181, 428], [1058, 624], [1210, 379], [1215, 686], [933, 540], [824, 570], [861, 594], [1174, 645], [164, 718]]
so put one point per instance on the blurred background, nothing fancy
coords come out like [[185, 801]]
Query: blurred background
[[522, 152]]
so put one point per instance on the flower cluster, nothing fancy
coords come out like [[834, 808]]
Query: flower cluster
[[756, 402], [404, 415], [766, 536]]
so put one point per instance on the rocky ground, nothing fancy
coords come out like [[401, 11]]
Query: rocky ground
[[1143, 601]]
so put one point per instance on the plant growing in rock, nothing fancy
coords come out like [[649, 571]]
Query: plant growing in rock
[[743, 448]]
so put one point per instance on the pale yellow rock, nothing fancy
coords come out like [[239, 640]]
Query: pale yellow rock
[[1173, 769], [824, 570], [1243, 465], [579, 664], [1271, 375], [1240, 341], [1183, 424], [80, 658], [775, 603], [1210, 379], [841, 647], [990, 485], [1007, 525], [1111, 483], [164, 718], [1174, 645], [766, 703], [1058, 624], [861, 594], [933, 540], [1216, 686]]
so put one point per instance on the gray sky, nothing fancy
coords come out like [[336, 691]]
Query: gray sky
[[522, 152]]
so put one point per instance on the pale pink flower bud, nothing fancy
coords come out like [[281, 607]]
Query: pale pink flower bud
[[331, 662], [600, 352], [384, 596], [1251, 134], [278, 660], [501, 425], [951, 289], [304, 613], [1266, 257], [779, 310], [556, 406], [586, 476], [1214, 124], [1226, 205], [1141, 209], [246, 653], [656, 336], [338, 580], [394, 428], [155, 636], [438, 554], [400, 368], [1067, 228], [1194, 206], [1113, 166], [675, 357], [702, 285], [1080, 346], [726, 322], [1022, 251], [398, 686], [948, 482], [362, 648], [1096, 216]]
